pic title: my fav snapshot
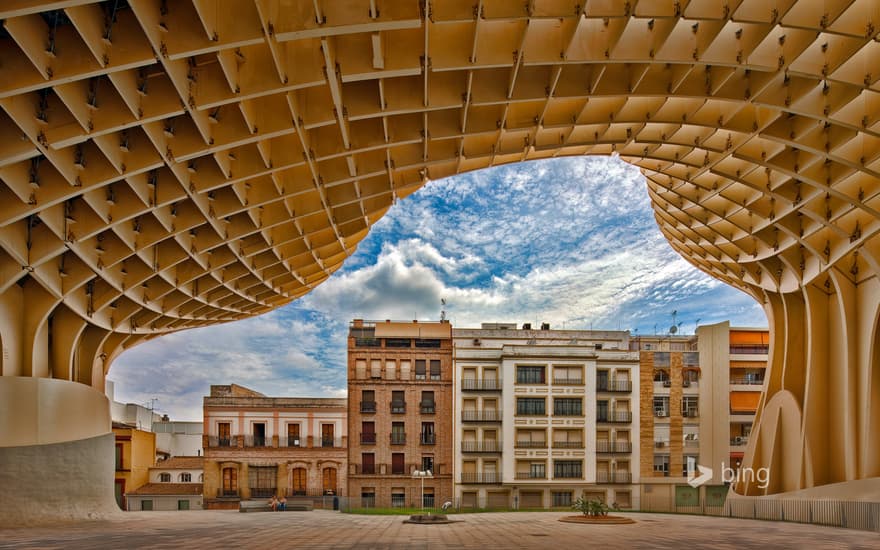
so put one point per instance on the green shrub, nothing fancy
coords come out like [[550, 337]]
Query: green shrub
[[590, 507]]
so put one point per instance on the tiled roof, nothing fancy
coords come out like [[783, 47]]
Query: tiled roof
[[181, 463], [168, 489]]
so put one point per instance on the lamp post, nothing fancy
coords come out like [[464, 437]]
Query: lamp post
[[422, 474]]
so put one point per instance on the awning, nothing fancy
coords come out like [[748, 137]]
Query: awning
[[744, 401]]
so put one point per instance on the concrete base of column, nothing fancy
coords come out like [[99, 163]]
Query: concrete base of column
[[57, 452]]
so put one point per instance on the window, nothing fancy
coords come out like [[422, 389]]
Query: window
[[428, 498], [259, 434], [530, 406], [398, 497], [293, 438], [602, 411], [328, 481], [661, 376], [602, 380], [572, 469], [562, 499], [183, 505], [185, 477], [428, 436], [223, 432], [567, 406], [690, 406], [398, 402], [146, 505], [165, 477], [661, 407], [376, 369], [368, 433], [261, 480], [530, 375], [597, 346], [298, 482], [398, 464], [435, 369], [327, 439], [398, 433], [368, 401], [398, 343], [420, 369], [538, 470], [428, 464], [427, 404], [230, 482], [684, 464], [368, 463], [427, 343], [119, 453], [368, 497], [661, 464]]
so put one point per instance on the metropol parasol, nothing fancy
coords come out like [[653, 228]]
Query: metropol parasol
[[168, 164]]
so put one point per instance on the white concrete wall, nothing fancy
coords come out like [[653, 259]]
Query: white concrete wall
[[163, 503]]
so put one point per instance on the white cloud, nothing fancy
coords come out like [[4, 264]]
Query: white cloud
[[570, 241]]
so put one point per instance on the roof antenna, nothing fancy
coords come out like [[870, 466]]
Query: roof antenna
[[442, 309]]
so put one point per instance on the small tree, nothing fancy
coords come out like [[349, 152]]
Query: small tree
[[590, 507]]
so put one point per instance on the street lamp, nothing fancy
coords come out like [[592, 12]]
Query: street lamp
[[422, 474]]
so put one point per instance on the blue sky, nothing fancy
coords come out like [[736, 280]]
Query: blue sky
[[572, 242]]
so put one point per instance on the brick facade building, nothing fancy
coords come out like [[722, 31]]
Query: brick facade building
[[400, 412], [258, 446]]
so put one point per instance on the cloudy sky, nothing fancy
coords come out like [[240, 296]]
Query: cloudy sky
[[571, 242]]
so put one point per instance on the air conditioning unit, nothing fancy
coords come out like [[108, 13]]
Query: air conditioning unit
[[659, 444], [476, 341], [686, 384], [738, 440], [659, 414], [667, 383]]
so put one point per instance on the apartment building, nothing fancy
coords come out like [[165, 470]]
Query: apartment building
[[174, 484], [698, 399], [258, 446], [734, 361], [400, 412], [543, 417]]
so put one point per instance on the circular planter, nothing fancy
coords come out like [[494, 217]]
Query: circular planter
[[597, 520]]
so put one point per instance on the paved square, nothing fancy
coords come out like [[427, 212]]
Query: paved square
[[333, 530]]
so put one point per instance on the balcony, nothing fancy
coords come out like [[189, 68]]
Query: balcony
[[661, 444], [398, 407], [613, 477], [746, 381], [368, 406], [530, 475], [481, 416], [428, 439], [398, 439], [427, 407], [618, 386], [368, 438], [227, 441], [331, 442], [257, 441], [613, 447], [568, 444], [530, 444], [691, 413], [290, 442], [484, 384], [568, 381], [617, 417], [487, 446], [388, 469], [262, 492], [481, 477]]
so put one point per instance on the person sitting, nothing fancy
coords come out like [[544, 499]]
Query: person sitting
[[282, 504], [273, 504]]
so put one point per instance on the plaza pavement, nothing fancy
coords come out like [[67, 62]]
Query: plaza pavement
[[333, 530]]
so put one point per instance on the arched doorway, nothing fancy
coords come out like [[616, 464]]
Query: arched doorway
[[298, 482]]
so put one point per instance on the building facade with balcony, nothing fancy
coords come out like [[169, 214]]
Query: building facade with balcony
[[258, 446], [400, 413], [543, 417]]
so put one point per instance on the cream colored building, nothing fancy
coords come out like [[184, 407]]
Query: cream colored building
[[543, 417], [174, 484]]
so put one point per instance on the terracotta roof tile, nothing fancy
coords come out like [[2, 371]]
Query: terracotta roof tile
[[181, 463]]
